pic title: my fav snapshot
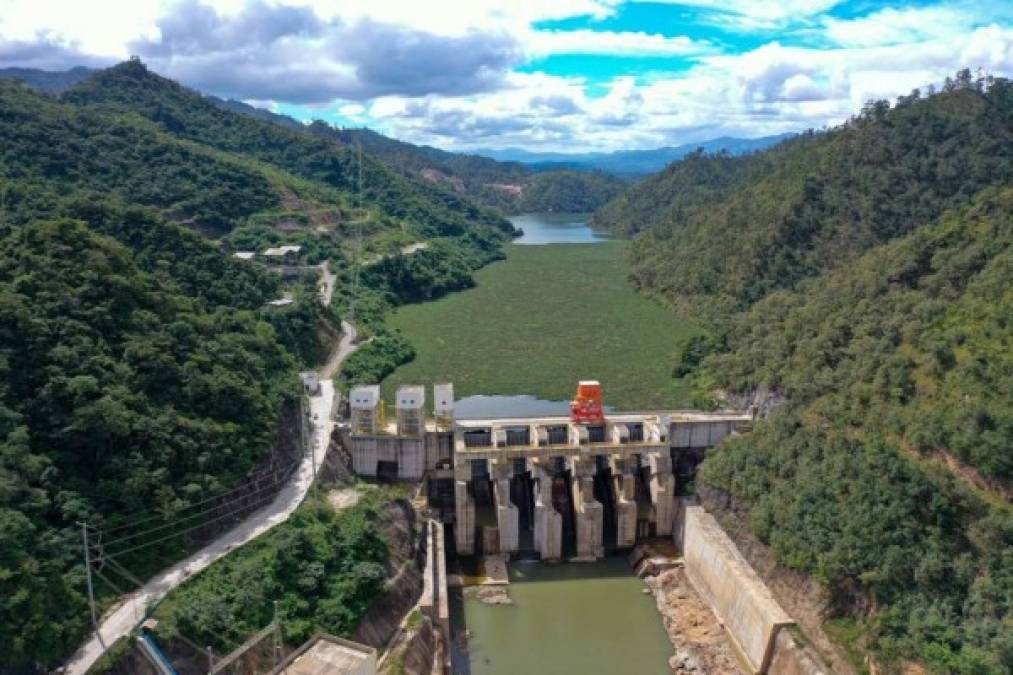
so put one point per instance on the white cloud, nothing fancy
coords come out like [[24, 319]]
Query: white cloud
[[768, 90], [891, 26], [446, 73], [458, 17], [625, 43]]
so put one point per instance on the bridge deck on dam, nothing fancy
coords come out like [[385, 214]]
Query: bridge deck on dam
[[623, 433]]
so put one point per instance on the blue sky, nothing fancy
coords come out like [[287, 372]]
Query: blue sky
[[564, 75]]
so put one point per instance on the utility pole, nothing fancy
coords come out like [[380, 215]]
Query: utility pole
[[358, 238], [307, 441], [211, 659], [277, 636], [91, 588]]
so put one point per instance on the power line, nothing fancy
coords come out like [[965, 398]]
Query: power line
[[198, 514], [109, 583], [260, 502], [250, 479], [112, 501], [121, 570]]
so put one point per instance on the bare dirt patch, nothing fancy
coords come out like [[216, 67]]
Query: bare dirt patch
[[343, 498]]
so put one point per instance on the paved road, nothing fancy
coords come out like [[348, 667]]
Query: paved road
[[327, 281], [128, 613], [346, 345]]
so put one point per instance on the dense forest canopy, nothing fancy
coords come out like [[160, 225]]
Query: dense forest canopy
[[730, 230], [120, 394], [864, 275], [141, 371], [185, 114]]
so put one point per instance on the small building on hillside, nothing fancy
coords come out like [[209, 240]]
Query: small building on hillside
[[281, 254], [325, 654], [310, 382], [245, 255]]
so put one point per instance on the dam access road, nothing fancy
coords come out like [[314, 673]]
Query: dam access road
[[129, 612]]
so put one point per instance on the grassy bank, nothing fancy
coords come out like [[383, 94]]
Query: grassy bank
[[541, 320]]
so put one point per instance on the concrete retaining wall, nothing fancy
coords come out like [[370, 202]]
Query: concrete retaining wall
[[792, 658], [414, 456], [723, 578]]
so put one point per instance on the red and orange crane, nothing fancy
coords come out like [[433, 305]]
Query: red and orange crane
[[587, 406]]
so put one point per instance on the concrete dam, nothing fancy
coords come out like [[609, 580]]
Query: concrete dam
[[575, 487], [560, 487]]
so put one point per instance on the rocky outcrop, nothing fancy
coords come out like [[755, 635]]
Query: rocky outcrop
[[405, 566], [700, 643], [419, 650]]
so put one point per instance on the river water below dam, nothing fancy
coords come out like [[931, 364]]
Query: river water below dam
[[587, 618]]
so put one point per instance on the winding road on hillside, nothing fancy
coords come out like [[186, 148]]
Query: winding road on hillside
[[130, 611]]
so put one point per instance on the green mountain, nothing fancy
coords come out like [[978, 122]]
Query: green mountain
[[140, 371], [863, 276], [738, 228], [507, 186], [47, 81], [185, 114]]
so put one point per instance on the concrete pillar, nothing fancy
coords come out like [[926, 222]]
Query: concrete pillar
[[548, 522], [464, 510], [364, 456], [507, 515], [587, 510], [662, 492], [411, 459], [625, 490]]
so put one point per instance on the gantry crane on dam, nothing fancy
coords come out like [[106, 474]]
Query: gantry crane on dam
[[569, 486]]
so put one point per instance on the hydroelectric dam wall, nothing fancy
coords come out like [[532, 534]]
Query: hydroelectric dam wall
[[568, 490]]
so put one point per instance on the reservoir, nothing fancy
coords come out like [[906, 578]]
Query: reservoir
[[558, 309], [555, 228], [482, 406], [587, 618]]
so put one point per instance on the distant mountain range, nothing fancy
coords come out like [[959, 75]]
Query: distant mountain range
[[630, 162], [48, 81], [625, 163]]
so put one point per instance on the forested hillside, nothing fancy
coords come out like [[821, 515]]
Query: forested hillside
[[52, 82], [53, 148], [141, 373], [120, 394], [503, 186], [872, 270], [733, 229], [130, 87]]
